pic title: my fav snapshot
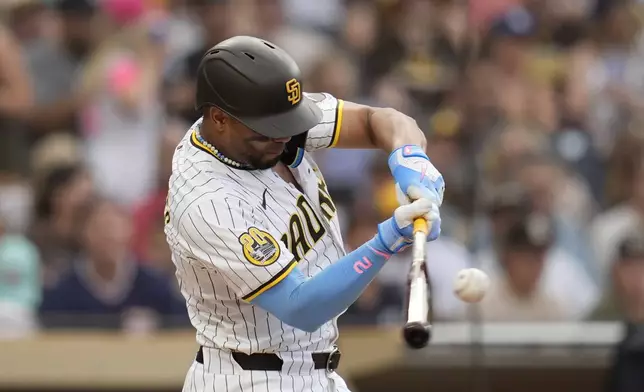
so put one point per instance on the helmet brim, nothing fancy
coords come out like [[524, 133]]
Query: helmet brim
[[302, 118]]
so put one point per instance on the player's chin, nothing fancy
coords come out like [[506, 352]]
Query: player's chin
[[267, 161]]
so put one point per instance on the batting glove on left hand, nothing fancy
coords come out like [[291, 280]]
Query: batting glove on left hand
[[415, 176], [396, 233]]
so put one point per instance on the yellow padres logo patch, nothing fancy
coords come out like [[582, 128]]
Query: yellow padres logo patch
[[260, 248], [294, 91]]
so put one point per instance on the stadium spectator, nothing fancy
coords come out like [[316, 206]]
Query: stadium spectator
[[122, 112], [59, 198], [627, 303], [516, 294], [611, 226], [181, 75], [15, 99], [615, 75], [517, 95], [274, 19], [562, 274], [27, 19], [54, 65], [560, 194], [20, 292], [624, 294], [105, 286]]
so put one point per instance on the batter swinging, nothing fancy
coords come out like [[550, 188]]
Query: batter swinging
[[253, 231]]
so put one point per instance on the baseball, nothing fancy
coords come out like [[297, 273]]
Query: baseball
[[471, 284]]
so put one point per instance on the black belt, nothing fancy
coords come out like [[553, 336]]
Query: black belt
[[268, 361]]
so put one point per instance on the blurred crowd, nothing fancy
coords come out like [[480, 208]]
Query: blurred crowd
[[532, 111]]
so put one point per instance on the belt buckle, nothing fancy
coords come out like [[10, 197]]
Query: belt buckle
[[332, 356]]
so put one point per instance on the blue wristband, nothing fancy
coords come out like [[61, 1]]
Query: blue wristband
[[391, 237], [408, 151]]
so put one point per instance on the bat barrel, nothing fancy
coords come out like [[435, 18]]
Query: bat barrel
[[417, 335], [418, 302]]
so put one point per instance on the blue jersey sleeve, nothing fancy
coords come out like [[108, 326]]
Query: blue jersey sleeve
[[309, 303]]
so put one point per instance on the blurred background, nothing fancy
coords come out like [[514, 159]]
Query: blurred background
[[534, 113]]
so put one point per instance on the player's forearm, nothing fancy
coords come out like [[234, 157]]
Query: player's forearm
[[309, 303], [390, 129]]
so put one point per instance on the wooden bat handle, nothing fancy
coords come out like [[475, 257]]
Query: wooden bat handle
[[420, 226]]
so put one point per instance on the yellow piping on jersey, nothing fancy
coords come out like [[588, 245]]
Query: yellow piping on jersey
[[272, 282], [197, 143], [338, 124]]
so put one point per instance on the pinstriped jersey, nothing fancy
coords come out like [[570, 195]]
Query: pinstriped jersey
[[235, 233]]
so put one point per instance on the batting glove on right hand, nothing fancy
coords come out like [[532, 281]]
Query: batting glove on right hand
[[415, 176], [396, 233]]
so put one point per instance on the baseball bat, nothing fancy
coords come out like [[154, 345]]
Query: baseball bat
[[418, 327]]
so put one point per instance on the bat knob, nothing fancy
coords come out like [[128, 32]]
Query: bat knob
[[417, 335]]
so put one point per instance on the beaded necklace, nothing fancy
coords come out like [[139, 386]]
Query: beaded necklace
[[217, 154]]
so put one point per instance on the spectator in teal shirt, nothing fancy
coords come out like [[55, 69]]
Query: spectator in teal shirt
[[19, 285]]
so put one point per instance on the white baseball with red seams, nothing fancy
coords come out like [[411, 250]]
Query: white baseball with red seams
[[471, 284]]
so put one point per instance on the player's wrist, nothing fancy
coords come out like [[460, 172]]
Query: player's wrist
[[405, 151], [378, 244], [390, 236]]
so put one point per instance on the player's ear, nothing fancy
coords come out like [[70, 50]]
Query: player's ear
[[218, 117]]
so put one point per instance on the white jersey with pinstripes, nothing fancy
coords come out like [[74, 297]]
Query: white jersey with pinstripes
[[235, 233]]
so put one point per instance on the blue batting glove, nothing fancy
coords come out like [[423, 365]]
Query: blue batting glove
[[396, 233], [415, 176]]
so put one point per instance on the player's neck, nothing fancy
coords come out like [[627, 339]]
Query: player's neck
[[219, 145], [285, 174]]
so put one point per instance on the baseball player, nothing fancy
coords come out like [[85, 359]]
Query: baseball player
[[253, 231]]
